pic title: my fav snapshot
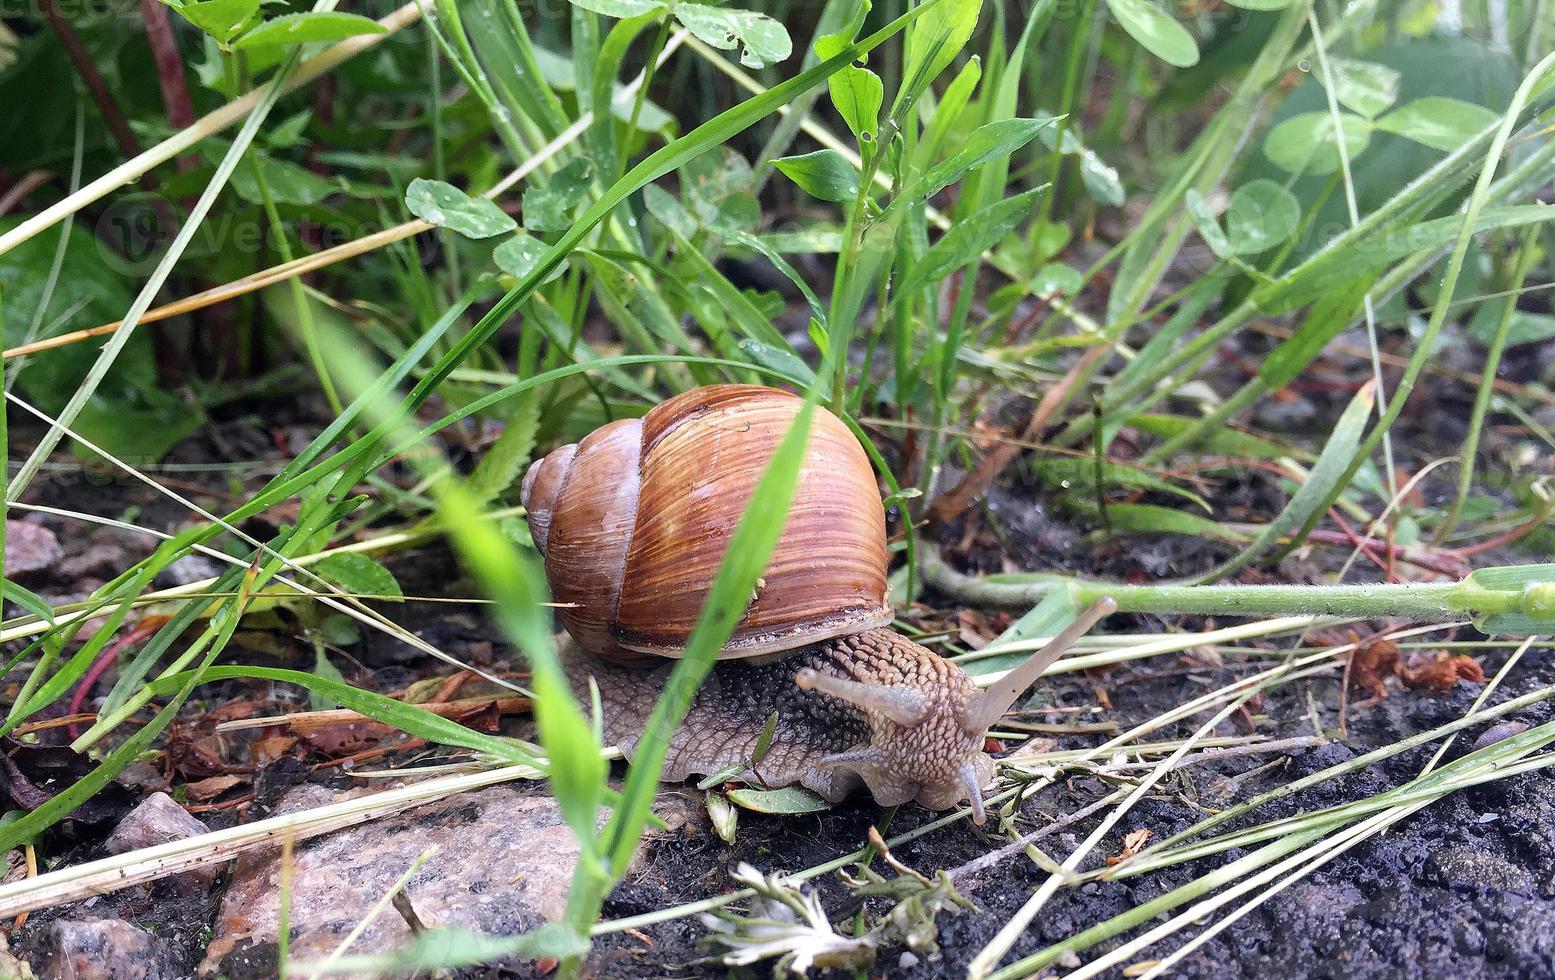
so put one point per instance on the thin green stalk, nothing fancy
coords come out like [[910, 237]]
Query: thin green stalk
[[1085, 16], [1528, 253], [305, 324], [439, 157]]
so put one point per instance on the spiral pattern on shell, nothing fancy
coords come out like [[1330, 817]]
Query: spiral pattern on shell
[[633, 521]]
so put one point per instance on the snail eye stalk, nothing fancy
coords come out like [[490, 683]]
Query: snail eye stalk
[[990, 705], [903, 705]]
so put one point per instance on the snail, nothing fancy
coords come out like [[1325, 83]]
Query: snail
[[633, 521]]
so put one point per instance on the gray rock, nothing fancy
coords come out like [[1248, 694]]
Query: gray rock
[[105, 949], [1293, 414], [96, 561], [1476, 869], [158, 820], [190, 568], [29, 549], [502, 864]]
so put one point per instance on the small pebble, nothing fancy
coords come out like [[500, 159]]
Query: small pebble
[[907, 960], [1496, 733]]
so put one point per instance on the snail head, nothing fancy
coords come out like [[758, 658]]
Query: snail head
[[927, 739]]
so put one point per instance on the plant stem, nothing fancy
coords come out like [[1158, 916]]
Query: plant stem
[[1433, 601], [1416, 601], [1527, 254]]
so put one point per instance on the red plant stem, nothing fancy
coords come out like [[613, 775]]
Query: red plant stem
[[1364, 545], [170, 72], [106, 106], [94, 673]]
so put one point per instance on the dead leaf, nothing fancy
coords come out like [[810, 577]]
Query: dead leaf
[[212, 787], [1372, 663], [1439, 671], [1133, 842]]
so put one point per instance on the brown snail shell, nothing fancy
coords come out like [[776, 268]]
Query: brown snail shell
[[633, 522]]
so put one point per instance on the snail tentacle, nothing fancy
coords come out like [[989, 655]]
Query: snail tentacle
[[990, 704], [903, 705]]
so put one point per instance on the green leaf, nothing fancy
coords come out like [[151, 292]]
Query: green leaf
[[139, 427], [1307, 144], [559, 74], [1525, 327], [286, 182], [996, 139], [858, 94], [1155, 519], [1363, 86], [576, 766], [1076, 475], [788, 801], [968, 239], [1226, 442], [764, 740], [824, 174], [289, 131], [1055, 277], [359, 575], [779, 359], [1262, 214], [1334, 310], [1260, 4], [517, 256], [221, 19], [549, 206], [1438, 122], [1056, 610], [91, 289], [442, 204], [303, 28], [1330, 467], [340, 631], [1156, 31], [670, 212], [820, 238], [505, 459], [1100, 179], [323, 668], [28, 600], [620, 8], [1204, 220], [762, 40], [932, 44]]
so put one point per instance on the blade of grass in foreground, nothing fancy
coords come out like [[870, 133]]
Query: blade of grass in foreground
[[577, 770]]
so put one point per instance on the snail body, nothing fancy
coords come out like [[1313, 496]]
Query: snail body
[[633, 521]]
